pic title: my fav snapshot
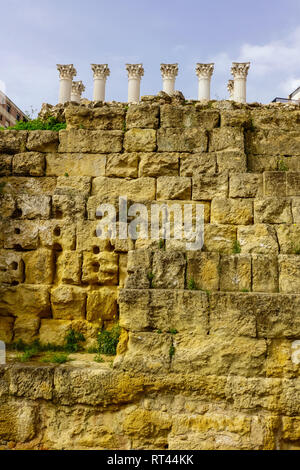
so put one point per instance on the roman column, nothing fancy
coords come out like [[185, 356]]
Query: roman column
[[204, 73], [239, 70], [66, 75], [77, 90], [230, 88], [135, 73], [101, 72], [169, 73]]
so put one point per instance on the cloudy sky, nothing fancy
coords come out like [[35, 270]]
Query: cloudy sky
[[36, 35]]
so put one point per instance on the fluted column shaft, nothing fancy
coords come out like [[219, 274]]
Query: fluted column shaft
[[101, 72], [66, 75], [204, 73], [240, 72], [135, 73]]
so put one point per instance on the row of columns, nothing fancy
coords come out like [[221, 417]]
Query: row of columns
[[72, 90]]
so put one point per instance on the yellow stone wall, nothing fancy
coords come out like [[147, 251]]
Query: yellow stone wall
[[232, 378]]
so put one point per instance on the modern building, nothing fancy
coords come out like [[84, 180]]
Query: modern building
[[292, 98], [9, 112]]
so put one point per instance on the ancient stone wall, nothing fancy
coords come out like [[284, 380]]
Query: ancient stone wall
[[210, 347]]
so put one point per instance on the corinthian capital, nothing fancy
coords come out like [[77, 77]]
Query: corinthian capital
[[66, 71], [78, 88], [204, 70], [240, 69], [169, 70], [135, 70], [100, 70]]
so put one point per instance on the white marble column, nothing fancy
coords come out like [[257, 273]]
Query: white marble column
[[169, 73], [230, 88], [239, 70], [135, 73], [66, 75], [101, 72], [204, 73], [77, 90]]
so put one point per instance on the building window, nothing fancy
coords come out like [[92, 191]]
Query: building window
[[8, 108], [18, 117]]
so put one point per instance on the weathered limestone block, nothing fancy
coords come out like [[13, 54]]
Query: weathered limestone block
[[279, 361], [11, 267], [246, 185], [296, 210], [264, 273], [235, 272], [100, 268], [232, 161], [276, 315], [218, 355], [168, 270], [159, 164], [292, 163], [174, 187], [29, 163], [54, 331], [68, 206], [122, 165], [140, 140], [276, 119], [94, 203], [42, 141], [289, 274], [273, 211], [275, 183], [6, 329], [236, 118], [31, 186], [293, 183], [7, 206], [103, 117], [87, 240], [123, 259], [68, 267], [182, 140], [261, 163], [232, 314], [232, 211], [39, 266], [288, 238], [219, 238], [25, 300], [21, 233], [147, 352], [226, 138], [33, 207], [85, 141], [137, 190], [75, 164], [291, 429], [73, 185], [68, 303], [144, 116], [138, 269], [203, 268], [144, 426], [258, 238], [5, 164], [18, 419], [13, 141], [27, 382], [188, 116], [273, 142], [57, 235], [135, 311], [102, 305], [194, 165], [26, 328], [206, 187]]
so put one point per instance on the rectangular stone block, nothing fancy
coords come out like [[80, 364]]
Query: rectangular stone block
[[13, 141], [34, 186], [11, 267], [28, 164], [206, 187], [143, 116], [261, 163], [275, 119], [122, 165], [54, 331], [57, 234], [182, 140], [5, 164], [232, 161], [264, 273], [68, 303], [159, 164], [39, 266], [100, 268], [296, 210], [140, 140], [174, 187], [275, 183], [68, 206], [273, 142], [42, 141], [203, 270], [26, 329], [21, 233], [273, 211], [68, 267], [25, 300], [33, 207], [219, 238], [139, 269], [102, 117], [87, 239], [196, 164], [168, 270], [75, 164], [7, 206], [293, 183], [235, 273], [226, 138], [275, 315], [258, 238], [86, 141], [73, 185], [188, 116], [289, 274], [102, 305], [235, 118], [246, 185], [288, 238], [232, 211], [6, 329], [141, 189]]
